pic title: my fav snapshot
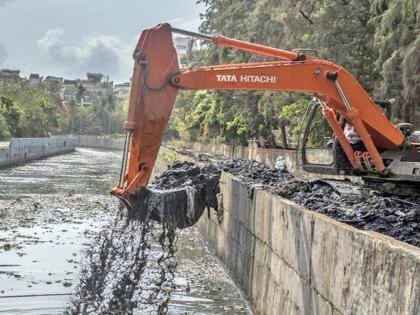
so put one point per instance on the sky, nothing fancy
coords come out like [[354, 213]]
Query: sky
[[68, 38]]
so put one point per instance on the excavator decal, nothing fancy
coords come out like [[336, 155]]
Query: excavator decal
[[246, 78]]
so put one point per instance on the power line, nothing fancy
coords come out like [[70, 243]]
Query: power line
[[45, 19], [18, 34], [34, 38]]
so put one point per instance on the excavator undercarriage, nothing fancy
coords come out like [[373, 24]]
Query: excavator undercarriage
[[402, 174], [388, 157]]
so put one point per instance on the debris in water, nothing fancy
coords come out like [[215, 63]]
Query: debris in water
[[124, 270]]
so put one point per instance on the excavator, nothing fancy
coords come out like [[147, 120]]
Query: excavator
[[389, 159]]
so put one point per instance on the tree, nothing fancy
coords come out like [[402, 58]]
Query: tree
[[4, 129], [397, 42], [12, 115], [81, 91], [29, 111], [376, 40]]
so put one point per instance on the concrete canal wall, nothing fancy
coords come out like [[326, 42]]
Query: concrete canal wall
[[289, 260], [263, 155], [98, 142], [22, 150]]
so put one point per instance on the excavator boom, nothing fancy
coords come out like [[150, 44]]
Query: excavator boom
[[157, 79]]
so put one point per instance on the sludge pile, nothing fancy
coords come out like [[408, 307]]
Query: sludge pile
[[131, 265], [363, 208]]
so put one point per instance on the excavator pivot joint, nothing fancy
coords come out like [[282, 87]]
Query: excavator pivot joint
[[139, 58], [332, 75]]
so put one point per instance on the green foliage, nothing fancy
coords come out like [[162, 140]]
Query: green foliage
[[104, 116], [12, 114], [293, 115], [376, 40], [397, 42], [4, 129], [169, 156], [29, 111]]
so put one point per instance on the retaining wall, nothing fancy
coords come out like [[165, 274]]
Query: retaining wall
[[263, 155], [99, 142], [289, 260], [23, 150]]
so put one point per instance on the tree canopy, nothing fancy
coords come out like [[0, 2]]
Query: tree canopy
[[376, 40]]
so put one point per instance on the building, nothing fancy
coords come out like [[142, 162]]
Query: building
[[34, 79], [183, 45], [69, 91], [52, 85], [9, 76], [51, 79], [122, 91], [84, 92]]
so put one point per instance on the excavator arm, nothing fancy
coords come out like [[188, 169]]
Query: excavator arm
[[157, 79]]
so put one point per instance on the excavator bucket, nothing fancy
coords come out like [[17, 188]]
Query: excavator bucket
[[152, 98], [178, 207]]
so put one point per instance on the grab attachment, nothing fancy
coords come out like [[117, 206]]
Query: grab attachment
[[178, 197]]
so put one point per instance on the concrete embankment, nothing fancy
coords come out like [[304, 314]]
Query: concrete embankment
[[97, 142], [263, 155], [22, 150], [289, 260]]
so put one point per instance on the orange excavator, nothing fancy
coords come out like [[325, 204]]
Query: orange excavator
[[388, 157]]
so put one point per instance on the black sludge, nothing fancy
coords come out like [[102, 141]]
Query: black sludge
[[179, 196], [131, 265], [356, 205]]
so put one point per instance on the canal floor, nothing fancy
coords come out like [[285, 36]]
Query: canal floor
[[51, 210]]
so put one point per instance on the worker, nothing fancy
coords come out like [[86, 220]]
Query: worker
[[351, 134]]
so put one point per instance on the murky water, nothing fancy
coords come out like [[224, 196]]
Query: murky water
[[49, 212]]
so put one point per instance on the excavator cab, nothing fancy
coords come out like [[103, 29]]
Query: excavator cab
[[325, 157], [316, 155]]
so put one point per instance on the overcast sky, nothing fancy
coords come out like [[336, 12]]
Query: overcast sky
[[71, 37]]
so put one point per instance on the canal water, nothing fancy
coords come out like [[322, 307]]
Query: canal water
[[52, 209]]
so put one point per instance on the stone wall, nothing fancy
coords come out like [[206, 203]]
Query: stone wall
[[23, 150], [289, 260]]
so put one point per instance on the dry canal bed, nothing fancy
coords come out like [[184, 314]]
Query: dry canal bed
[[51, 210]]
